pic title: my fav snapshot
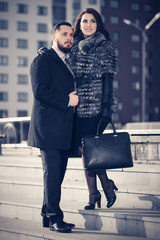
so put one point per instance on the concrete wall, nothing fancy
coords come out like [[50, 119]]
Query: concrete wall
[[145, 145]]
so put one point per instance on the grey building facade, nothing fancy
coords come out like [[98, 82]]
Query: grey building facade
[[128, 41]]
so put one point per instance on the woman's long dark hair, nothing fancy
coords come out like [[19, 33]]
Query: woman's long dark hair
[[100, 26]]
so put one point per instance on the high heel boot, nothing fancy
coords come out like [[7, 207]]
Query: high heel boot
[[110, 194], [93, 199]]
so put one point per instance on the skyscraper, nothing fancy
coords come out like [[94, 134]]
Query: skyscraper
[[25, 25], [128, 41]]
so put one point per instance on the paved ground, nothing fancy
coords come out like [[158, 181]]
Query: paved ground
[[34, 229]]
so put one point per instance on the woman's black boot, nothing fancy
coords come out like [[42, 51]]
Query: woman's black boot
[[110, 193], [93, 199]]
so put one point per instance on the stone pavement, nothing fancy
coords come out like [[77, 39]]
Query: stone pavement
[[135, 215], [16, 229]]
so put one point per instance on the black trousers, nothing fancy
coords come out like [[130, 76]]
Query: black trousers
[[54, 166]]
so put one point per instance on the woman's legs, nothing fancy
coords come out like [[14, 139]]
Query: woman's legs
[[108, 187], [94, 194], [90, 179]]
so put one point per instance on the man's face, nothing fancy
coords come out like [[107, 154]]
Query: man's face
[[63, 38]]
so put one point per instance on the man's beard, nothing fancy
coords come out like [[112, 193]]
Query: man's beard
[[63, 49]]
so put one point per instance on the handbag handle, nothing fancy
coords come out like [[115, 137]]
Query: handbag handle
[[98, 128]]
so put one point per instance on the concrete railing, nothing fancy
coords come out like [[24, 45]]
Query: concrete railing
[[145, 145]]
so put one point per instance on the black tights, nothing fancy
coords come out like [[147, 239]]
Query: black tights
[[91, 178]]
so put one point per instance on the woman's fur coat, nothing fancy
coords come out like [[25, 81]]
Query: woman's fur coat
[[91, 59]]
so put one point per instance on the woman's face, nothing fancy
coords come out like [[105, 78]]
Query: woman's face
[[88, 24]]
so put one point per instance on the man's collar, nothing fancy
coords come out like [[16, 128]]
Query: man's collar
[[60, 54]]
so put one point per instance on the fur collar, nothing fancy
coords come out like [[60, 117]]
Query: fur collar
[[92, 57]]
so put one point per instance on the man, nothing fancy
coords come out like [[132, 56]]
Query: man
[[51, 121]]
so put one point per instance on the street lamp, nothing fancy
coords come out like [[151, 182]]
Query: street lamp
[[143, 32]]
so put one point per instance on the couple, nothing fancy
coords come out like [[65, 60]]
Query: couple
[[61, 116]]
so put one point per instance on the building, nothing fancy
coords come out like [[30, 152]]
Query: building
[[128, 42], [25, 25], [69, 9]]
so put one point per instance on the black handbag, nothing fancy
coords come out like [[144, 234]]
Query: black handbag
[[107, 151]]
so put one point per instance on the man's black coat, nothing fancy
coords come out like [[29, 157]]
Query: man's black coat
[[51, 120]]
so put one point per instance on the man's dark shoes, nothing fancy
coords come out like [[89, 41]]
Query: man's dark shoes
[[69, 225], [59, 227], [45, 221]]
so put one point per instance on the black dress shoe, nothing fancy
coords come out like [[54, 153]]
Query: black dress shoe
[[45, 221], [69, 225], [59, 227]]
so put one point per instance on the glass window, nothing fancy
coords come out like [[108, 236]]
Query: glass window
[[22, 113], [92, 1], [22, 79], [149, 117], [149, 86], [22, 43], [42, 28], [148, 8], [59, 1], [149, 102], [103, 18], [136, 21], [135, 70], [149, 55], [4, 60], [3, 96], [135, 54], [42, 10], [148, 72], [22, 8], [59, 13], [114, 20], [136, 101], [76, 6], [22, 62], [103, 3], [3, 113], [22, 97], [42, 44], [22, 26], [4, 42], [3, 78], [135, 6], [3, 6], [114, 3], [149, 39], [136, 117], [4, 24], [115, 37], [136, 85], [135, 38]]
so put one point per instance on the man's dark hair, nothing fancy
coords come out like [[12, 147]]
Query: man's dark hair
[[57, 26]]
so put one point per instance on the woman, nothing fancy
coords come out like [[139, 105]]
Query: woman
[[93, 61]]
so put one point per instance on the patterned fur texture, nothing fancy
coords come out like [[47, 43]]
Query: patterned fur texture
[[90, 59]]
